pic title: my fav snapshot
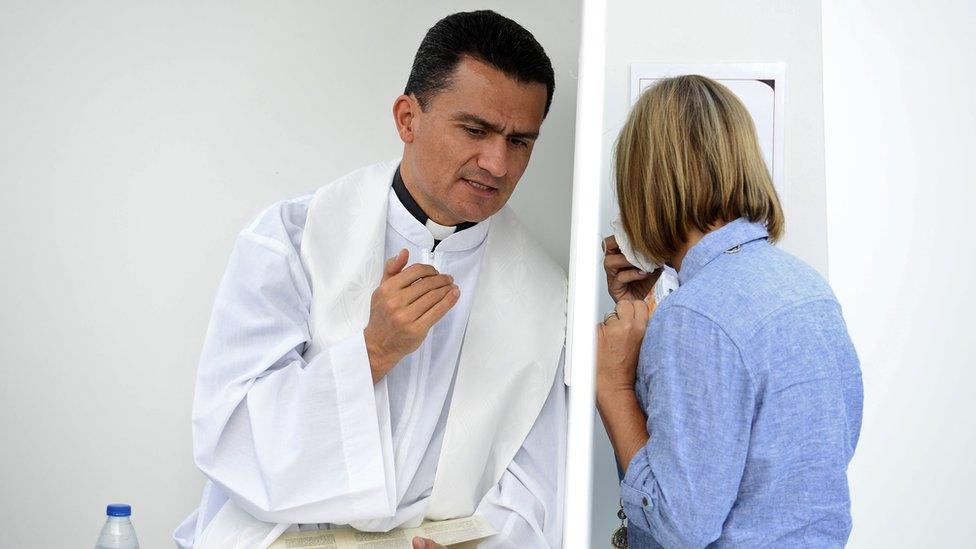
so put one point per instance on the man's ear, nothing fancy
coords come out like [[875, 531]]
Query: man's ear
[[405, 111]]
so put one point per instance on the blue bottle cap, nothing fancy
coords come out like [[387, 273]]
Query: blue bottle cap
[[118, 510]]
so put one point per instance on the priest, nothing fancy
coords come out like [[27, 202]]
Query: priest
[[389, 349]]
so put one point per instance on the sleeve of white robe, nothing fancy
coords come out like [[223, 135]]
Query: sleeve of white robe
[[287, 440], [526, 506]]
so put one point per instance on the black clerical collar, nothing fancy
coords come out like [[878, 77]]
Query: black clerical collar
[[415, 210]]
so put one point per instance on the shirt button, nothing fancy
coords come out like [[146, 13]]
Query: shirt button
[[644, 501]]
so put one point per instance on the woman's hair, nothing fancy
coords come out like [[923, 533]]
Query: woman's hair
[[688, 158]]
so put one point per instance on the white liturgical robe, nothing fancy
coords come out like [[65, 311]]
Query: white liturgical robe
[[287, 437]]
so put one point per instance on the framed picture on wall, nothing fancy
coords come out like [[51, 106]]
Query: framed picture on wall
[[760, 86]]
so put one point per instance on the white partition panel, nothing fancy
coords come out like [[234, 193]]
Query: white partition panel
[[584, 281]]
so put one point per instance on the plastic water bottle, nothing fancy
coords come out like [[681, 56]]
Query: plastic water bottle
[[118, 532]]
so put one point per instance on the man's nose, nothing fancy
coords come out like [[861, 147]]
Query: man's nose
[[494, 157]]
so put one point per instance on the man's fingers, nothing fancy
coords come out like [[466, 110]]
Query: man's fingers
[[440, 308], [428, 300], [424, 543], [421, 287], [395, 264], [412, 274]]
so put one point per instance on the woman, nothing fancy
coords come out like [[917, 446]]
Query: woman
[[735, 411]]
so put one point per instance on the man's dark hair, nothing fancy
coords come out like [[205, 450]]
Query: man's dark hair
[[486, 36]]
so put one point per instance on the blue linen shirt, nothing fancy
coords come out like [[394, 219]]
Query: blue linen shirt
[[753, 396]]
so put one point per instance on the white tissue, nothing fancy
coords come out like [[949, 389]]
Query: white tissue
[[635, 258]]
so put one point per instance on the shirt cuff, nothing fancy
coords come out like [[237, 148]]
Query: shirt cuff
[[350, 362], [638, 491], [360, 422]]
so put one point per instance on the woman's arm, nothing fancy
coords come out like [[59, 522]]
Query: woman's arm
[[618, 346], [625, 423], [700, 401]]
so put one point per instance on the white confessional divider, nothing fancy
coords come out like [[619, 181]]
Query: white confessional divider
[[584, 265]]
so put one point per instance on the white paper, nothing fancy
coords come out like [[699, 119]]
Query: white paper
[[760, 86]]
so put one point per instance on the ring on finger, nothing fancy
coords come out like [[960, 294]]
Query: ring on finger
[[608, 315]]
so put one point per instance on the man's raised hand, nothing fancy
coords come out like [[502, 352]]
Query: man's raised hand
[[403, 309]]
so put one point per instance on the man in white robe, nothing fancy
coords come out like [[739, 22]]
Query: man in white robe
[[330, 381]]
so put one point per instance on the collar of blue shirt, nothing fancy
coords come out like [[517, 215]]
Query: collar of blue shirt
[[717, 242]]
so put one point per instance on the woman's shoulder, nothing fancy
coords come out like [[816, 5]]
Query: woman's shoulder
[[739, 290]]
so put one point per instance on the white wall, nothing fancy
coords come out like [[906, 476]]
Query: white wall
[[901, 132], [136, 139], [719, 32]]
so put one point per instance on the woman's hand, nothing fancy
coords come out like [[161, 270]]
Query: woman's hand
[[624, 280], [618, 346], [619, 340]]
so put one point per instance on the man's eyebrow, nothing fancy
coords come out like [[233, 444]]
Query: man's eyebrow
[[478, 121]]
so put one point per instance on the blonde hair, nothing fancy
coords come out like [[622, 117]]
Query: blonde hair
[[688, 158]]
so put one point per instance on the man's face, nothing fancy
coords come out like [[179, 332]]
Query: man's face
[[465, 154]]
